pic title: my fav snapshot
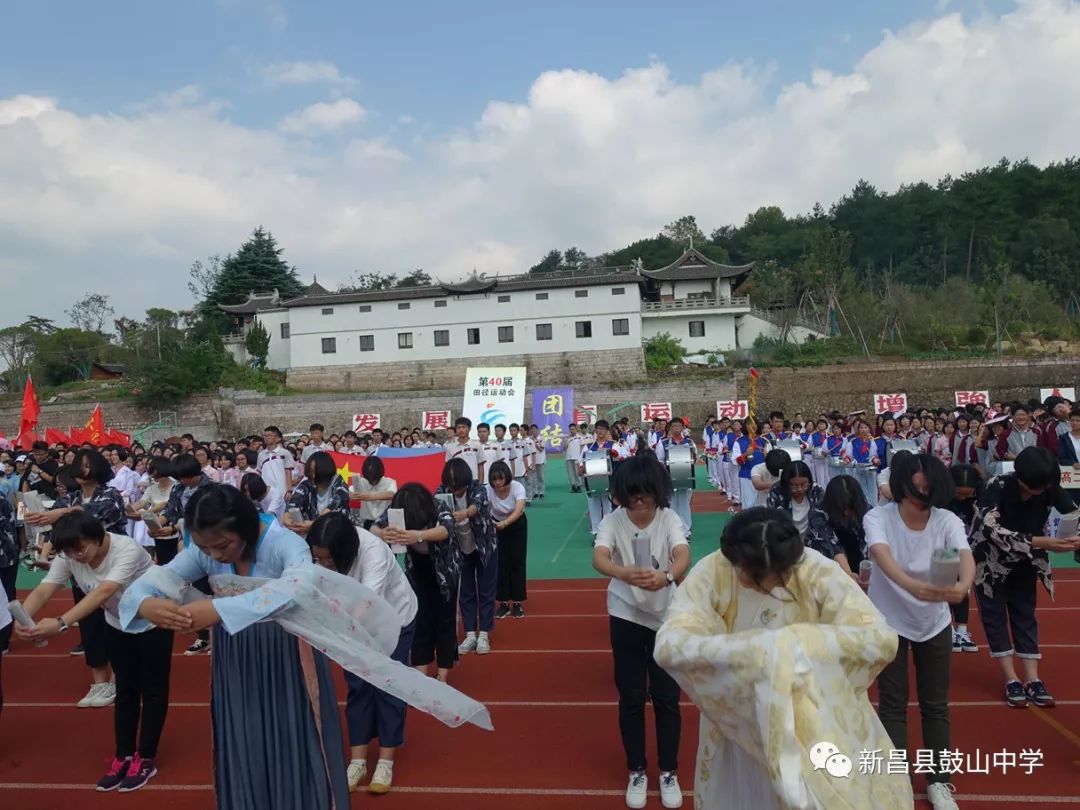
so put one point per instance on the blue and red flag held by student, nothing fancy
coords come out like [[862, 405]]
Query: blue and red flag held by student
[[406, 465]]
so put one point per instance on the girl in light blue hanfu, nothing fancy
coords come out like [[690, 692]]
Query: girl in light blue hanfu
[[276, 617]]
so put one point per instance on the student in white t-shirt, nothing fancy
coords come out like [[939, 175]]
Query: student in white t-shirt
[[573, 456], [104, 565], [374, 490], [468, 450], [639, 595], [275, 464], [765, 476], [539, 476], [903, 538], [507, 499], [369, 712], [488, 451]]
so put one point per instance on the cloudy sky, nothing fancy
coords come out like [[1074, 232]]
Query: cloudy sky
[[138, 137]]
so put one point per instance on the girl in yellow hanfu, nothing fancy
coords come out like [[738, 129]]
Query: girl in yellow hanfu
[[777, 646]]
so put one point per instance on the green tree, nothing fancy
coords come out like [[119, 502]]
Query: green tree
[[551, 263], [91, 312], [417, 278], [17, 346], [257, 267], [67, 355], [257, 343], [663, 351], [368, 282], [685, 232]]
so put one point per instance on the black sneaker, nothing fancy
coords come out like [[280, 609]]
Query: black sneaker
[[1015, 695], [518, 612], [198, 647], [503, 611], [115, 775], [139, 773], [1037, 694], [77, 650]]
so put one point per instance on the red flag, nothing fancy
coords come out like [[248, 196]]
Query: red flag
[[114, 436], [26, 439], [31, 409], [96, 427], [424, 469], [80, 435], [54, 436]]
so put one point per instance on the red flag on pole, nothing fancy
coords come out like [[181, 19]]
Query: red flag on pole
[[96, 427], [54, 436], [31, 409]]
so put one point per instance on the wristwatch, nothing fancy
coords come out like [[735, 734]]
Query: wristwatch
[[62, 625], [670, 578]]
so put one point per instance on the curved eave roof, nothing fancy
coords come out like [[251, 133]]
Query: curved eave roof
[[694, 265]]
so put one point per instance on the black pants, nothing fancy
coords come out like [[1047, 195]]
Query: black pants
[[142, 663], [436, 616], [8, 575], [1011, 611], [636, 675], [513, 549], [165, 549], [92, 633], [961, 609], [933, 659]]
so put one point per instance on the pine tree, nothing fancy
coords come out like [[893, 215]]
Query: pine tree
[[257, 267]]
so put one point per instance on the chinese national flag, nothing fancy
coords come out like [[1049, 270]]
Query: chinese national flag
[[117, 437], [95, 426], [79, 435], [405, 465], [31, 409]]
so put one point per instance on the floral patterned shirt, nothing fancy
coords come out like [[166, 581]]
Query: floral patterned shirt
[[106, 504]]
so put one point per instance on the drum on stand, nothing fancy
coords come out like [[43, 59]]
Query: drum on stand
[[901, 444], [680, 463], [597, 472], [792, 447]]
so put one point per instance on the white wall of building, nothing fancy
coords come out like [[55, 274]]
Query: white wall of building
[[279, 356], [750, 327], [421, 318], [719, 330]]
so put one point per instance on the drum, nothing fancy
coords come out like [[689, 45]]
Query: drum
[[792, 447], [597, 471], [901, 444], [680, 463]]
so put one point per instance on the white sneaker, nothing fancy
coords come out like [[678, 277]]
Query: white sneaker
[[939, 794], [356, 772], [483, 645], [382, 778], [670, 792], [87, 701], [106, 696], [468, 645], [637, 790]]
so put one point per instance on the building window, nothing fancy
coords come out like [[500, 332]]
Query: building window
[[583, 329], [543, 331], [328, 311], [404, 340], [473, 336], [440, 304], [442, 337], [365, 307], [697, 328], [618, 290], [367, 343], [581, 293], [329, 345], [506, 334], [403, 306], [541, 296], [284, 331], [504, 299], [620, 326]]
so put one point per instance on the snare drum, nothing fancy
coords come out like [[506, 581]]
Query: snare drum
[[792, 448], [597, 471], [680, 463], [898, 445]]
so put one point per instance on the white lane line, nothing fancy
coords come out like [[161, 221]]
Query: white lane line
[[569, 537], [554, 792], [532, 704]]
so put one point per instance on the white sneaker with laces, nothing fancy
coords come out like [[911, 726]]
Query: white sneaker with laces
[[637, 790], [106, 696], [468, 645], [87, 701], [939, 794], [670, 792], [483, 644], [356, 772], [383, 777]]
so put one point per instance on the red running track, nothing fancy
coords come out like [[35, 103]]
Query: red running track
[[555, 746]]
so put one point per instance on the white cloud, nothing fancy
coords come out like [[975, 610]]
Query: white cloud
[[296, 73], [324, 116], [131, 200]]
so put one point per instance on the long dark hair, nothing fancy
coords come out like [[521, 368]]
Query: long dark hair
[[762, 542], [796, 469], [223, 508], [843, 495], [421, 511], [336, 533]]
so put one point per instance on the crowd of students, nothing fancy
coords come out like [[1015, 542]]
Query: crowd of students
[[971, 492]]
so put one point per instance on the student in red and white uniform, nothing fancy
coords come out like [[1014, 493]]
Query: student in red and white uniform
[[488, 450], [350, 446], [600, 503], [521, 459], [505, 445], [468, 450], [275, 464]]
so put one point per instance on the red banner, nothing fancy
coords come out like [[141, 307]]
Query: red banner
[[54, 436], [414, 469]]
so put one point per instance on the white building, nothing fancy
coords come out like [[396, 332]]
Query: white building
[[591, 315]]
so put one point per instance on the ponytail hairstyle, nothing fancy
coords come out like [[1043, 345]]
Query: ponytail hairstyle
[[762, 542], [776, 461]]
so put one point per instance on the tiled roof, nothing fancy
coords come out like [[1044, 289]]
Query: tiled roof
[[694, 265]]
